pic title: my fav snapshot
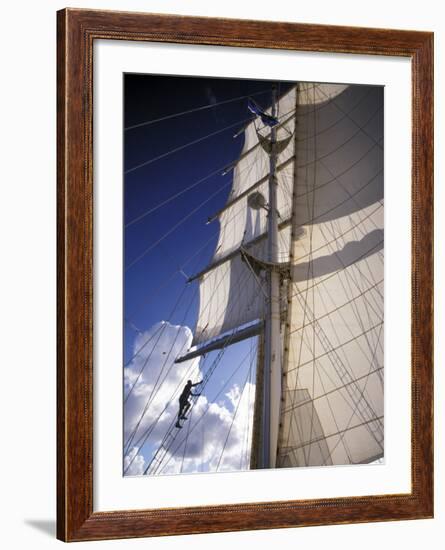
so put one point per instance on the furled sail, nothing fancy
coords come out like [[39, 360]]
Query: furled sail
[[332, 397], [231, 293]]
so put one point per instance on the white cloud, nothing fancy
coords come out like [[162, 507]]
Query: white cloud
[[153, 381], [234, 394], [134, 463], [216, 440], [205, 432]]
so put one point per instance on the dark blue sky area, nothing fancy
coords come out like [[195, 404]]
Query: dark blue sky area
[[152, 284]]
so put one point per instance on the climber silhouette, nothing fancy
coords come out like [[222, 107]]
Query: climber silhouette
[[184, 403]]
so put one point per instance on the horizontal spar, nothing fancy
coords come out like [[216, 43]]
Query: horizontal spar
[[235, 252], [221, 342], [264, 179]]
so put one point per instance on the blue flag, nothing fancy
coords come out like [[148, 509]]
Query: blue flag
[[266, 119]]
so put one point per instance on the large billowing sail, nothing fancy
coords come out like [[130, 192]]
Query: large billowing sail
[[330, 204], [332, 396]]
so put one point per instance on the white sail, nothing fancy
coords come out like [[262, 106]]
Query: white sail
[[332, 408], [230, 293]]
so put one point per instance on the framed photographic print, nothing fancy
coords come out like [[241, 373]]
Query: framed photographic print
[[244, 275]]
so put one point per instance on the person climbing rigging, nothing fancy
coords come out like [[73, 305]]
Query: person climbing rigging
[[184, 403]]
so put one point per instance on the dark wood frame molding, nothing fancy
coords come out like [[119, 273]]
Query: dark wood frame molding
[[77, 30]]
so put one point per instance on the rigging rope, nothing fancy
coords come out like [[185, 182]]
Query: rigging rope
[[178, 224], [143, 438], [204, 383], [193, 142], [230, 337], [181, 147], [367, 423], [311, 268], [337, 237], [212, 368], [155, 389], [377, 325], [333, 101], [342, 372], [159, 329], [129, 442], [251, 369], [196, 109], [172, 229], [207, 376], [155, 292], [173, 197], [164, 324], [233, 421], [186, 441], [311, 112]]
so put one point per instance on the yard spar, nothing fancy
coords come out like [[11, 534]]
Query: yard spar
[[299, 263]]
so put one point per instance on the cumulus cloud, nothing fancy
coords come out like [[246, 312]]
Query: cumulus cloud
[[152, 383], [134, 463], [216, 439], [153, 378]]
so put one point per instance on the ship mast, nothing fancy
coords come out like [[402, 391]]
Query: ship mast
[[272, 344]]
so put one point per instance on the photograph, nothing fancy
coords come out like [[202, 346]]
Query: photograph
[[253, 271], [222, 248]]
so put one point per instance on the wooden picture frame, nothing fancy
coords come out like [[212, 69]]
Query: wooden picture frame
[[77, 31]]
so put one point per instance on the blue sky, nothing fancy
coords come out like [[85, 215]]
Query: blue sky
[[153, 283], [152, 97]]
